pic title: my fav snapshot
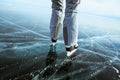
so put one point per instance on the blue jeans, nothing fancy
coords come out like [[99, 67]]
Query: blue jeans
[[70, 26]]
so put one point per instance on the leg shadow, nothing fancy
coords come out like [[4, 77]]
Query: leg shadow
[[50, 63], [52, 68]]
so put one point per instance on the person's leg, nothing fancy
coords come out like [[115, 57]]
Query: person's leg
[[56, 19], [70, 27]]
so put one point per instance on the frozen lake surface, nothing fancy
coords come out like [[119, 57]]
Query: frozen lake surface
[[24, 44]]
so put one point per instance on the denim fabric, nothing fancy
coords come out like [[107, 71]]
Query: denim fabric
[[70, 26]]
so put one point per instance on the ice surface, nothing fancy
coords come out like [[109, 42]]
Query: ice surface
[[24, 44]]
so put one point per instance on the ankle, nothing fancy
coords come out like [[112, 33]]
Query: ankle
[[53, 41], [70, 48]]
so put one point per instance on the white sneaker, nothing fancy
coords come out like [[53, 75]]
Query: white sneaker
[[53, 47], [71, 50], [69, 53], [53, 43]]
